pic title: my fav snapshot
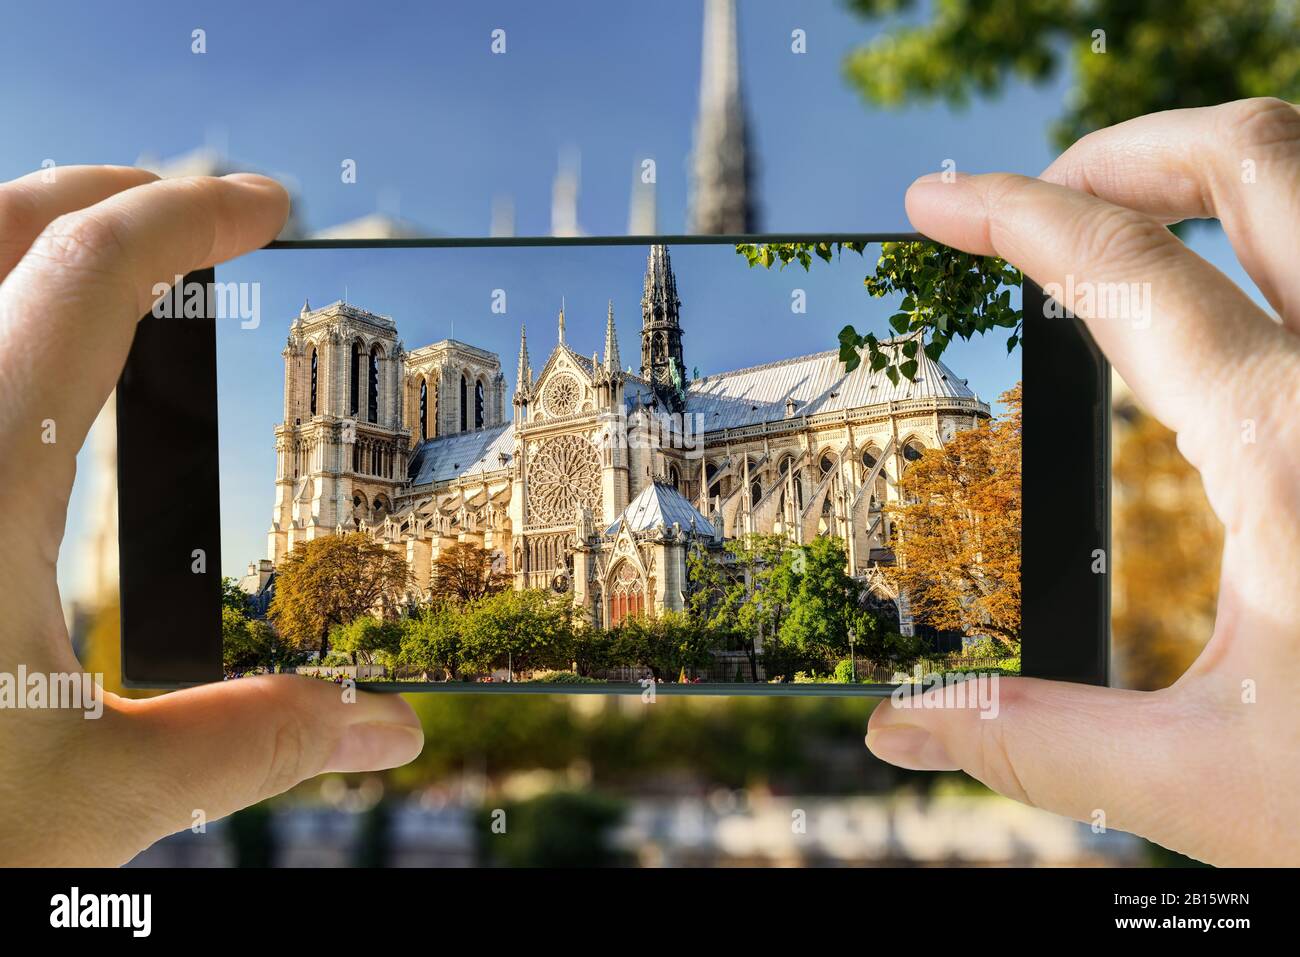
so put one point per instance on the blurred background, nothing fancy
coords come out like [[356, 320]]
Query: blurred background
[[516, 118]]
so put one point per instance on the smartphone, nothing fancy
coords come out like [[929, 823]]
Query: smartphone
[[822, 464]]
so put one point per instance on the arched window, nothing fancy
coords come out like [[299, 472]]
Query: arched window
[[711, 477], [674, 477], [313, 381], [354, 377], [755, 492], [870, 458], [478, 404], [464, 404], [827, 463], [424, 410], [912, 452], [626, 595], [372, 397]]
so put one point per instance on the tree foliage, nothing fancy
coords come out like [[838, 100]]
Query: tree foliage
[[669, 644], [249, 643], [1151, 56], [333, 581], [368, 640], [431, 641], [946, 295], [957, 532], [526, 630], [465, 572]]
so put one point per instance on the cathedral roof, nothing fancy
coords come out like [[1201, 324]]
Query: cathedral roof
[[661, 504], [450, 457], [817, 383]]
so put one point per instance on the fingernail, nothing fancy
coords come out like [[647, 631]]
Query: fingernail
[[911, 747], [253, 179], [374, 746], [945, 178]]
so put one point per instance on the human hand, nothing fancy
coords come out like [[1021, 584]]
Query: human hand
[[78, 259], [1209, 767]]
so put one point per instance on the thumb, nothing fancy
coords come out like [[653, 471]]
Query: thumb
[[1104, 755], [221, 747]]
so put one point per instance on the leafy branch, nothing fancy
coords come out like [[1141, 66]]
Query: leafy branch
[[946, 294]]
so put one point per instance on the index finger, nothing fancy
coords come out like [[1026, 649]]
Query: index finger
[[68, 310], [1185, 322]]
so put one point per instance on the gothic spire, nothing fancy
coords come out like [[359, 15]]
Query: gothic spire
[[611, 342], [561, 322], [721, 165], [524, 377], [661, 331]]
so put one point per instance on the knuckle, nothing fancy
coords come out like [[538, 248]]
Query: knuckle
[[18, 217], [1116, 235], [287, 761], [81, 241], [997, 766], [1260, 123]]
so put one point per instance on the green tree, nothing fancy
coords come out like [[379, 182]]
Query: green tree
[[669, 644], [524, 630], [232, 596], [368, 640], [824, 605], [736, 595], [946, 294], [1151, 56], [431, 641], [251, 643]]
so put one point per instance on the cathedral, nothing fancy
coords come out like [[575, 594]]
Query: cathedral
[[596, 481]]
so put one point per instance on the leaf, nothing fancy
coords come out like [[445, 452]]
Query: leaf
[[909, 349], [899, 321], [908, 369], [1011, 342]]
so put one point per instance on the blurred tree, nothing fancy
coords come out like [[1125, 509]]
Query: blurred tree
[[558, 829], [464, 572], [1168, 545], [1125, 57], [958, 530], [332, 581]]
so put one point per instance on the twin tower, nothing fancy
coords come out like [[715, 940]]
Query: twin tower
[[358, 406]]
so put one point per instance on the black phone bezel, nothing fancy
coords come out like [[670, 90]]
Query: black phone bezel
[[170, 507]]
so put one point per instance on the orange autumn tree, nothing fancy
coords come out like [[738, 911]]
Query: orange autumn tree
[[332, 581], [957, 531]]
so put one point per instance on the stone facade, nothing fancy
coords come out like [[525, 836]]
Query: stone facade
[[603, 480]]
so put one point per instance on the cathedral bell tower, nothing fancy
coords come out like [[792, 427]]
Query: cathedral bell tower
[[661, 331]]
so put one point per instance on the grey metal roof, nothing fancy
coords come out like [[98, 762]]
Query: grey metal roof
[[463, 454], [817, 383], [660, 504]]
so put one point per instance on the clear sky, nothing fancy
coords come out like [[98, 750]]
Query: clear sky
[[732, 316], [439, 126]]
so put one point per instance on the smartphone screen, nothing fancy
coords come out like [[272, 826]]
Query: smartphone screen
[[700, 462]]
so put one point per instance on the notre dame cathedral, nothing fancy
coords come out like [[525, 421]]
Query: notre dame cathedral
[[598, 480]]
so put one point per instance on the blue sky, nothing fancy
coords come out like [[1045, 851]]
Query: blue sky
[[439, 126]]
